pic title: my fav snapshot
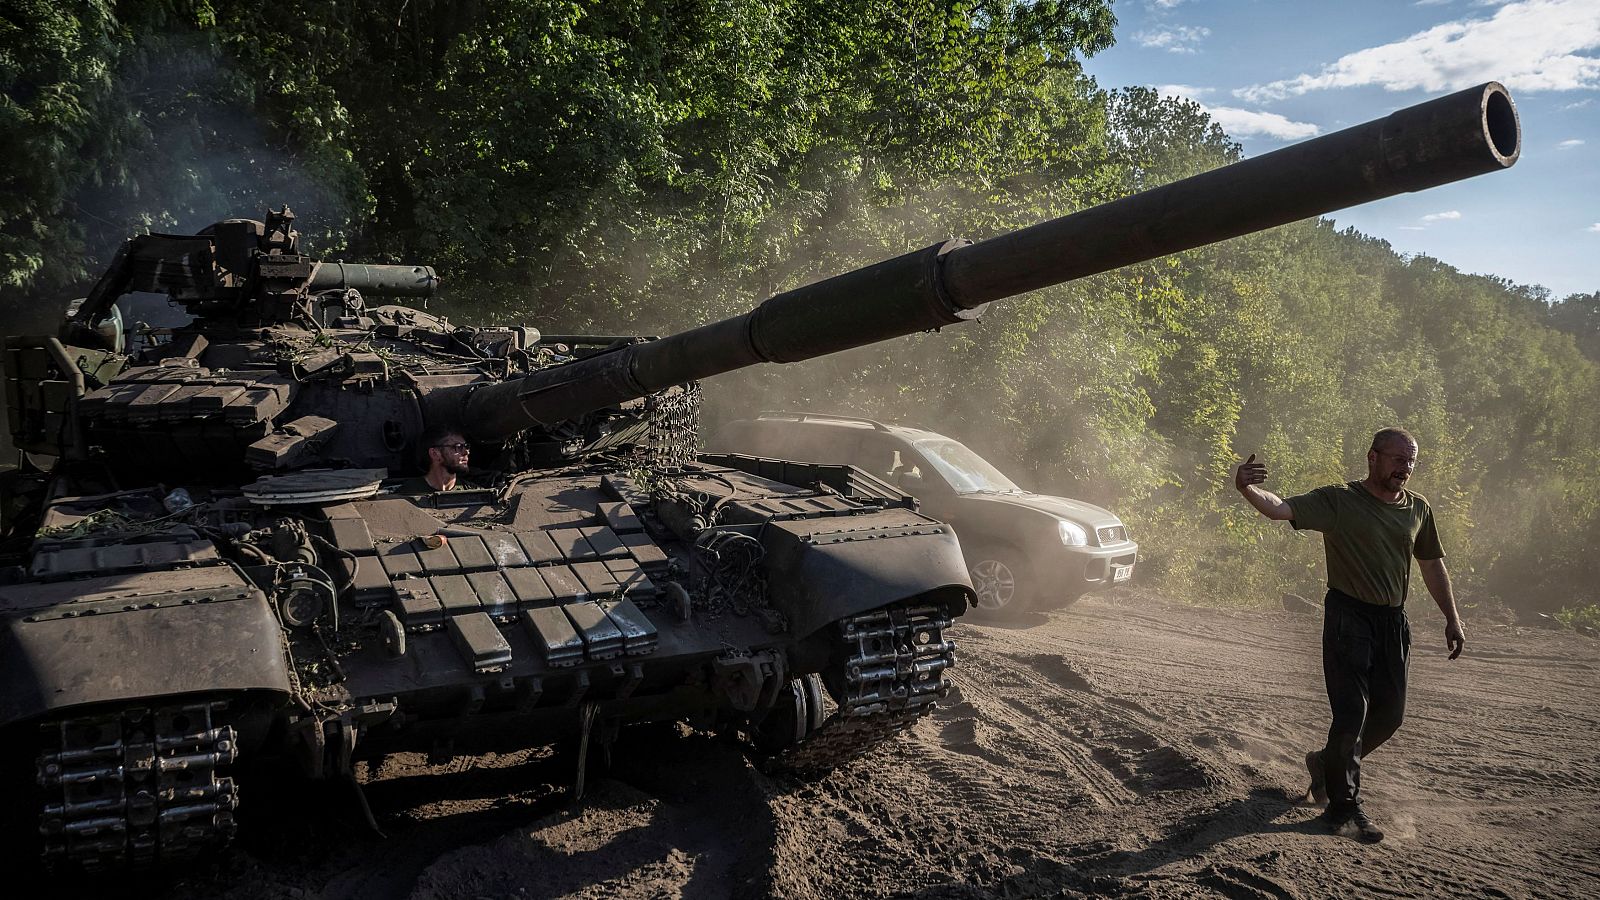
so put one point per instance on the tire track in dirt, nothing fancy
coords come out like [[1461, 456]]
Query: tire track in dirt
[[1123, 750], [1241, 882], [1072, 759]]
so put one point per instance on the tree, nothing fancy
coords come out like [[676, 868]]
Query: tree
[[1579, 316]]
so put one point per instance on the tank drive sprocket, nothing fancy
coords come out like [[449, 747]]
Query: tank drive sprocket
[[137, 786]]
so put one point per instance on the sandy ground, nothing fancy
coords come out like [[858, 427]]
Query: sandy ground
[[1126, 747]]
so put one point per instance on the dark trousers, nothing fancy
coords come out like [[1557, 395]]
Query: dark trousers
[[1364, 653]]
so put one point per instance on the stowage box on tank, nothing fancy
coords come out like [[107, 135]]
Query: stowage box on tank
[[217, 548]]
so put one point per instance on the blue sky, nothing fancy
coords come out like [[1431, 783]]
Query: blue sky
[[1273, 72]]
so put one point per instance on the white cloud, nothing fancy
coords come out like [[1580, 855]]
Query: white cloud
[[1447, 215], [1252, 123], [1595, 228], [1185, 91], [1240, 123], [1532, 45], [1431, 2], [1166, 4], [1578, 104], [1569, 144], [1179, 39]]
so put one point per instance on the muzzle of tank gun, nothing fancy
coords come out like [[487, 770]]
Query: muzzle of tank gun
[[376, 280], [1471, 132]]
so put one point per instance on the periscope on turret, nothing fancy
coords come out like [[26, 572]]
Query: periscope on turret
[[609, 575]]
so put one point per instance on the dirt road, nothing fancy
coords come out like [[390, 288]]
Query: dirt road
[[1124, 748]]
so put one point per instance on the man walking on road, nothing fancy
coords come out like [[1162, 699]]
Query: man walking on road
[[1371, 530]]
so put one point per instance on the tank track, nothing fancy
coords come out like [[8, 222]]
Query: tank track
[[893, 675], [135, 788]]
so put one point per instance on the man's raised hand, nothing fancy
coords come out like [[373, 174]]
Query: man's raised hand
[[1249, 472]]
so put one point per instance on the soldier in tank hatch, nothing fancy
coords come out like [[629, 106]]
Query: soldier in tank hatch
[[445, 457], [1371, 529]]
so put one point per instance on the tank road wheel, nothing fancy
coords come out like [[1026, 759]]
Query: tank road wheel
[[998, 580], [795, 715]]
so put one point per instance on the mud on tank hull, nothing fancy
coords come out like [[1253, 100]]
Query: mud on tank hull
[[154, 673]]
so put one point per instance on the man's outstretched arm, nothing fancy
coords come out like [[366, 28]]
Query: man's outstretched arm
[[1437, 579], [1250, 474]]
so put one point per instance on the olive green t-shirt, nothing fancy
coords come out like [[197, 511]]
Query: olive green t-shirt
[[1369, 543]]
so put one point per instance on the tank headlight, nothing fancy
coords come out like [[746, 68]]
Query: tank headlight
[[1072, 534]]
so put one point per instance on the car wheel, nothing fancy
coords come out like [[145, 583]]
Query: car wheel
[[998, 581]]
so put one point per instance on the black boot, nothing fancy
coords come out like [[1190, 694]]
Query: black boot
[[1352, 821]]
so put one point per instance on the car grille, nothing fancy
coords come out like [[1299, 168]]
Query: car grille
[[1112, 534]]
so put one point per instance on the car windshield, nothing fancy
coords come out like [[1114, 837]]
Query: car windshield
[[967, 472]]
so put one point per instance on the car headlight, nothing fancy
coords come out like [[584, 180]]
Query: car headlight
[[1072, 534]]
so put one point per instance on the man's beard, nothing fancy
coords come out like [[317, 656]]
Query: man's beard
[[453, 467]]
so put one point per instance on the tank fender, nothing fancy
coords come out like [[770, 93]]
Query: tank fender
[[208, 641], [823, 570]]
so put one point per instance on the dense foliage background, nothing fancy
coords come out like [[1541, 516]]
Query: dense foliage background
[[645, 165]]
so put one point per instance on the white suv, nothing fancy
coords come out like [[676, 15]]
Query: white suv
[[1023, 549]]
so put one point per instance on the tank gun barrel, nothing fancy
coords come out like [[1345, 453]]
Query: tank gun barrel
[[1471, 132]]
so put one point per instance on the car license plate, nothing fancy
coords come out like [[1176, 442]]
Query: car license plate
[[1121, 573]]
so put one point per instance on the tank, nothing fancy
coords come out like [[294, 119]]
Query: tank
[[221, 565]]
